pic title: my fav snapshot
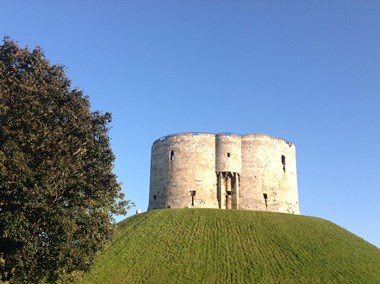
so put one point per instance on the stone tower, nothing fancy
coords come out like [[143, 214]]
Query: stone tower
[[228, 171]]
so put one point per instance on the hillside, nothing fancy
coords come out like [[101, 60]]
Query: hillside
[[233, 246]]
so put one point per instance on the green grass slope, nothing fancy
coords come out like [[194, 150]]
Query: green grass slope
[[233, 246]]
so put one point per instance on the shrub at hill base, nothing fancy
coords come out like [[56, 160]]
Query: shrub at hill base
[[57, 189]]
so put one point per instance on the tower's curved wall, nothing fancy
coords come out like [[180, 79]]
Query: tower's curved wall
[[269, 176], [228, 153], [183, 172], [254, 172]]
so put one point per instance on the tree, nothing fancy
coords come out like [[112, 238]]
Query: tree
[[57, 189]]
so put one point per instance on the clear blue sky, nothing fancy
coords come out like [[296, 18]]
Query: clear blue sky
[[304, 71]]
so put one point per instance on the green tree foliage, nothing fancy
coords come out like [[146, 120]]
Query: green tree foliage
[[57, 189]]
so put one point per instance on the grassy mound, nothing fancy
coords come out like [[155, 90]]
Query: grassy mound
[[233, 246]]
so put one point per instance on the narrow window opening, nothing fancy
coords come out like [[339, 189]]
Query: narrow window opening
[[171, 155], [283, 163], [265, 198], [192, 192], [228, 155], [155, 197]]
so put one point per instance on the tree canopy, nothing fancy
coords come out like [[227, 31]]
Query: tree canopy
[[57, 189]]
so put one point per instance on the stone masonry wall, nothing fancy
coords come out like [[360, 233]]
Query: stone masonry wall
[[253, 172], [181, 164], [268, 167]]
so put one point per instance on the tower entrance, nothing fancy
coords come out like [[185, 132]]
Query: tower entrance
[[228, 190]]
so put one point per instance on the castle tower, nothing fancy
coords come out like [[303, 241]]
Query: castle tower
[[227, 171]]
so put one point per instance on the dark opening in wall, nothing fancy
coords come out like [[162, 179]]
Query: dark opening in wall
[[171, 155], [283, 162], [155, 197], [265, 198], [193, 193], [228, 155]]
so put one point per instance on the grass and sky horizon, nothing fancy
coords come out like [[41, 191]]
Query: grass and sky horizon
[[303, 71], [233, 246]]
